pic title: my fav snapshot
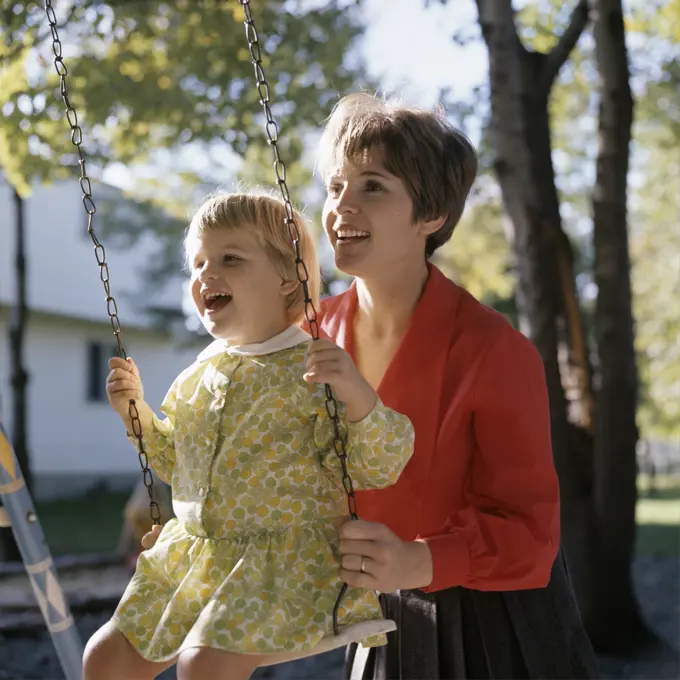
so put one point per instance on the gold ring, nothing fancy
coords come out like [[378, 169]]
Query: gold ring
[[362, 568]]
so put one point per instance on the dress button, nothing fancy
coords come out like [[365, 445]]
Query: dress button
[[201, 492]]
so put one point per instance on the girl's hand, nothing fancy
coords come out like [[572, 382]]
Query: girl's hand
[[328, 363], [150, 537], [123, 384]]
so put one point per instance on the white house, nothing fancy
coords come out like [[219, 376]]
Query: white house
[[75, 438]]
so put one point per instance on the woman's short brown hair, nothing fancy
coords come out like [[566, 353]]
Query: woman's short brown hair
[[435, 160]]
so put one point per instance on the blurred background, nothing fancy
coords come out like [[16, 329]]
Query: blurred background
[[572, 231]]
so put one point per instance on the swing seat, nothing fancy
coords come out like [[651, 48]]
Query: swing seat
[[348, 634]]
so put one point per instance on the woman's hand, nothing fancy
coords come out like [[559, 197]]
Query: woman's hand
[[375, 558], [389, 564]]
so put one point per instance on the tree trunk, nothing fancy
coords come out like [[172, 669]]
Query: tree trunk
[[613, 617], [520, 132], [520, 83], [17, 333]]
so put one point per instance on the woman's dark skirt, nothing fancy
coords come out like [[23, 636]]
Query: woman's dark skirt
[[461, 634]]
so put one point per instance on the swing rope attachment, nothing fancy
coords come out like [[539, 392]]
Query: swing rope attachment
[[99, 251], [272, 131]]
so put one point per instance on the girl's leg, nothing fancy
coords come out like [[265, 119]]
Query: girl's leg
[[201, 663], [109, 656]]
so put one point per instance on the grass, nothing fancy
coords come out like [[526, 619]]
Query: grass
[[88, 524], [93, 524], [658, 516]]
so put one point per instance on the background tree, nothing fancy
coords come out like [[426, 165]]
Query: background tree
[[521, 82], [616, 433]]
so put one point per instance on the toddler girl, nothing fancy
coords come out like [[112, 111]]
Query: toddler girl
[[248, 568]]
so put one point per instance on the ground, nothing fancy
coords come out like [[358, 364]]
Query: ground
[[26, 652]]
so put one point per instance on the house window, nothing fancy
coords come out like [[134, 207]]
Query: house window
[[98, 355]]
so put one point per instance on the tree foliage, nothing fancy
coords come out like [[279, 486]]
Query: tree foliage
[[478, 255], [653, 39], [149, 76], [655, 237], [167, 90]]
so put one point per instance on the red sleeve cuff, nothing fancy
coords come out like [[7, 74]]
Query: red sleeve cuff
[[450, 561]]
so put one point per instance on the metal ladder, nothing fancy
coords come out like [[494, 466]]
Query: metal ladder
[[19, 514]]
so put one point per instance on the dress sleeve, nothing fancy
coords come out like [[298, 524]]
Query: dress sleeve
[[507, 537], [378, 447], [159, 442]]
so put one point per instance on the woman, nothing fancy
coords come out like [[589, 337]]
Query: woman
[[467, 541]]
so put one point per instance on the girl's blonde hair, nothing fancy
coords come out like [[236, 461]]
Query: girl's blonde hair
[[266, 217]]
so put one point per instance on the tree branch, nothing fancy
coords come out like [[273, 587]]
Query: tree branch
[[558, 56], [503, 15]]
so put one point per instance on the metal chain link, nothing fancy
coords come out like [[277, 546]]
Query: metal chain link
[[272, 130], [99, 251]]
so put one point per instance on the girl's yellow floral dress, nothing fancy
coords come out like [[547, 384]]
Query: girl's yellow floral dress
[[249, 564]]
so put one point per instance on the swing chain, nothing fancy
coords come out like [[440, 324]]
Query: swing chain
[[99, 251], [272, 131]]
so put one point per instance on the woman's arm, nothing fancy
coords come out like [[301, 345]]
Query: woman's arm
[[508, 535]]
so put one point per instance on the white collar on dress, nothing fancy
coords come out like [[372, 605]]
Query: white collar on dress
[[292, 336]]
